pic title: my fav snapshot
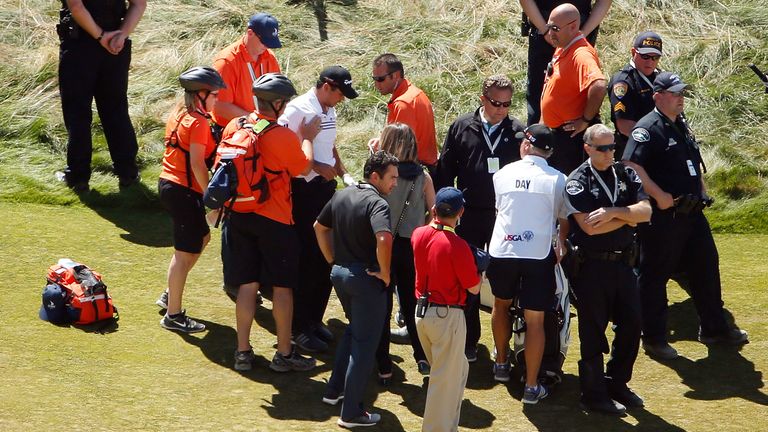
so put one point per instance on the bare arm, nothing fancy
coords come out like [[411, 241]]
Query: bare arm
[[562, 234], [197, 162], [664, 200], [84, 19], [131, 20], [228, 110], [534, 15], [429, 196], [308, 132], [599, 12], [383, 256], [625, 126], [475, 289], [595, 95], [324, 236]]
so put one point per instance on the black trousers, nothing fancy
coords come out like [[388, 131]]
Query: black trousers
[[539, 55], [476, 227], [679, 242], [87, 72], [311, 297], [404, 277], [569, 152], [607, 291]]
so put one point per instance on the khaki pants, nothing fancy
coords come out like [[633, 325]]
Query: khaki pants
[[442, 333]]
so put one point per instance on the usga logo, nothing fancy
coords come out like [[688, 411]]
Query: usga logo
[[526, 236]]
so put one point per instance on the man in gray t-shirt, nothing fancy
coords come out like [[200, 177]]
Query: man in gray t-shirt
[[354, 234]]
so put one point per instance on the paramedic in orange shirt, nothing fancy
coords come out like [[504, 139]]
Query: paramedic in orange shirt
[[241, 63], [574, 88], [189, 144], [408, 104]]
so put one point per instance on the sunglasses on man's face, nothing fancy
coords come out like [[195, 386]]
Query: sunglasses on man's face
[[556, 28], [381, 78], [604, 148], [650, 57], [498, 104]]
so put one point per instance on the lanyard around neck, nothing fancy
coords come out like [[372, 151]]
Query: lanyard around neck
[[611, 196], [557, 57], [441, 227], [491, 147], [642, 75], [253, 78]]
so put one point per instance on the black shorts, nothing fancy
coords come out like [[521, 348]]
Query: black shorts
[[255, 248], [530, 280], [188, 215]]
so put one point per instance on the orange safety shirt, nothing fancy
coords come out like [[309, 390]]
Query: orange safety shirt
[[193, 128], [232, 64], [410, 105], [281, 149], [573, 70]]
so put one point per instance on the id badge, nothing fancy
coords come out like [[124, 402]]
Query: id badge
[[691, 168], [493, 165]]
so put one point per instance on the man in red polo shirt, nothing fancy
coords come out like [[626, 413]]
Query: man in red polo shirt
[[445, 271], [408, 104]]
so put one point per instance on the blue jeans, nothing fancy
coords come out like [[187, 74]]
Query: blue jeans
[[364, 299]]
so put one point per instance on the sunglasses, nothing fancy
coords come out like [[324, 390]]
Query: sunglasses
[[556, 28], [604, 148], [683, 93], [498, 104], [650, 57], [381, 78]]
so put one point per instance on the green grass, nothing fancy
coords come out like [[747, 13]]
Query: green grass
[[142, 377], [448, 47]]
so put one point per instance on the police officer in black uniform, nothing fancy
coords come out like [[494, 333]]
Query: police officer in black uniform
[[606, 201], [666, 156], [631, 89], [534, 26], [94, 57], [477, 145]]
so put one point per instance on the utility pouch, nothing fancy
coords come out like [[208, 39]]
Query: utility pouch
[[572, 261], [421, 306], [67, 28], [525, 26]]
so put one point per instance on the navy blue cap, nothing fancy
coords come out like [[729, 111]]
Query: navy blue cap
[[266, 28], [648, 43], [668, 81], [449, 200], [54, 307]]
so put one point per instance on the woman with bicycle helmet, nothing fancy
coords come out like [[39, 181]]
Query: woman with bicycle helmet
[[189, 146]]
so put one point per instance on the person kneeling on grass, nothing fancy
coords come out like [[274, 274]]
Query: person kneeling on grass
[[445, 272], [188, 145]]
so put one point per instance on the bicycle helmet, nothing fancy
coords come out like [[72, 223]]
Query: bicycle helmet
[[273, 86], [201, 78]]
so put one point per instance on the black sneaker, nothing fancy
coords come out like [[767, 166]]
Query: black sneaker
[[322, 332], [309, 342], [125, 182], [244, 360], [625, 396], [608, 406], [181, 323], [471, 354], [77, 187], [661, 350], [423, 367], [731, 337], [294, 362], [367, 419], [162, 301], [332, 397], [400, 336]]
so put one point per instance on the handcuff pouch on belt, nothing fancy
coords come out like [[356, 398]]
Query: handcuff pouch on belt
[[572, 261], [690, 204], [67, 28]]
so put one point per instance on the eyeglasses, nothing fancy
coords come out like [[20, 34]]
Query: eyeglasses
[[604, 148], [498, 104], [382, 77], [556, 28], [214, 93], [650, 57]]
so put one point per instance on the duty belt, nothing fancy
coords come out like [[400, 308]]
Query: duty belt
[[606, 256]]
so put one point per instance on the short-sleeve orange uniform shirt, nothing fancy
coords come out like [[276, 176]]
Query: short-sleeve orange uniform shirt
[[410, 105], [193, 128]]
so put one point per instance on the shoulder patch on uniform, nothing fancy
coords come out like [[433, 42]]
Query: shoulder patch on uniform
[[620, 89], [574, 187], [641, 135], [619, 107]]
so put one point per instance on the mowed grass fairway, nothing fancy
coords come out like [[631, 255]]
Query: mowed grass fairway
[[142, 377]]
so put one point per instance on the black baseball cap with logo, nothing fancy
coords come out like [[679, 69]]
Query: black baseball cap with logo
[[340, 77], [539, 135], [668, 81], [648, 43]]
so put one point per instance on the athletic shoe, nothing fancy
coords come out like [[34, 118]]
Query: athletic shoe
[[309, 342], [124, 182], [332, 397], [608, 406], [731, 337], [423, 367], [322, 332], [385, 379], [662, 351], [622, 394], [533, 395], [400, 336], [366, 419], [244, 360], [162, 301], [294, 362], [471, 354], [181, 323], [77, 187], [502, 372]]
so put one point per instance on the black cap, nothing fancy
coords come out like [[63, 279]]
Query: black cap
[[539, 135], [340, 77], [668, 81], [648, 43]]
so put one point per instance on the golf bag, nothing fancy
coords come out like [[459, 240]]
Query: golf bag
[[557, 326]]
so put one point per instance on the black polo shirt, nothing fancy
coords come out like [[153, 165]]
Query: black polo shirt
[[356, 214], [585, 194]]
